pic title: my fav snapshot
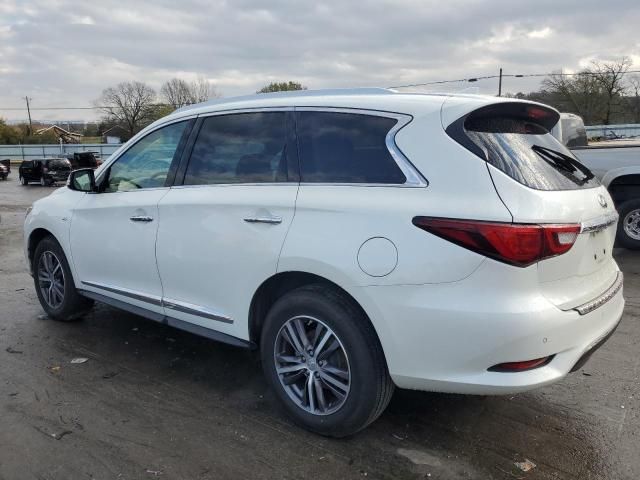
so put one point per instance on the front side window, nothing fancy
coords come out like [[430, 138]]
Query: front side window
[[346, 148], [240, 148], [146, 164]]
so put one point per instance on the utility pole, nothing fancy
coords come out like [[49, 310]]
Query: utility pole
[[29, 114], [500, 83]]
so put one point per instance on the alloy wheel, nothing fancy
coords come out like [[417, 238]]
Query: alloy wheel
[[312, 365], [631, 224], [51, 279]]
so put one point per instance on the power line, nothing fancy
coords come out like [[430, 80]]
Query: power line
[[523, 75]]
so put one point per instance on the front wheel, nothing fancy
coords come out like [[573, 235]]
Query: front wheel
[[628, 234], [54, 284], [23, 181], [43, 182], [324, 361]]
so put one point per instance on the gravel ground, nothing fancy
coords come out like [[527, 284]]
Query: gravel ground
[[152, 402]]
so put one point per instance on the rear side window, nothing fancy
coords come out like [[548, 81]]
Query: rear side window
[[346, 148], [240, 148], [518, 142]]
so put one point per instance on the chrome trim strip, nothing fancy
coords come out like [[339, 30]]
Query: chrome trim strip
[[602, 299], [125, 292], [271, 220], [599, 223], [197, 310], [411, 173]]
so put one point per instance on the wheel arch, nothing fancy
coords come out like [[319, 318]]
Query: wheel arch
[[281, 283], [35, 237]]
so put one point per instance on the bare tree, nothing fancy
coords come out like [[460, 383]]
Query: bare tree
[[609, 76], [178, 92], [633, 100], [129, 104]]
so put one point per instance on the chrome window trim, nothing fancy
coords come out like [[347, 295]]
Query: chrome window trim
[[599, 223], [602, 299], [126, 292], [413, 177], [197, 310]]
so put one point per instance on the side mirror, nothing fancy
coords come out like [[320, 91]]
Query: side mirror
[[82, 180]]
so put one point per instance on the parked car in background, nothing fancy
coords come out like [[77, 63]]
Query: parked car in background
[[5, 169], [360, 239], [83, 160], [617, 164], [45, 171]]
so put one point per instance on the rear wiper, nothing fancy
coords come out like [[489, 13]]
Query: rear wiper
[[563, 162]]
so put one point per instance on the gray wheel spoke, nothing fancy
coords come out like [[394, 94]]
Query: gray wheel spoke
[[302, 334], [293, 338], [333, 346], [327, 335], [337, 372], [50, 275], [311, 392], [322, 403], [288, 359], [336, 383], [291, 368]]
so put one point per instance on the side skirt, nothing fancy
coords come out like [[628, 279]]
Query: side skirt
[[173, 322]]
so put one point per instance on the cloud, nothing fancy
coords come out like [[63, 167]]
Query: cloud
[[66, 59]]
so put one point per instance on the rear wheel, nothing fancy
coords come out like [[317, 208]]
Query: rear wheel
[[43, 182], [324, 360], [54, 284], [628, 234], [23, 181]]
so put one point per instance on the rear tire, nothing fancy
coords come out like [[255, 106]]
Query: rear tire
[[43, 182], [23, 181], [352, 355], [628, 234], [54, 284]]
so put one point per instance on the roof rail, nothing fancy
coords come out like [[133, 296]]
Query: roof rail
[[292, 93]]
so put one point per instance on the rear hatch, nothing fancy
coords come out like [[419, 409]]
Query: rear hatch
[[59, 167], [541, 182]]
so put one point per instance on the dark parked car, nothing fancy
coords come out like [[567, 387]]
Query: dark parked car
[[83, 160], [44, 170], [5, 169]]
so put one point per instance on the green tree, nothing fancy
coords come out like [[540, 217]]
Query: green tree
[[281, 87], [9, 135]]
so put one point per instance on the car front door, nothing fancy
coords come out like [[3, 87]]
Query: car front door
[[113, 232], [222, 230]]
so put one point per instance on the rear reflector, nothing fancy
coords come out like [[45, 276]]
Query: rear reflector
[[521, 366], [519, 244]]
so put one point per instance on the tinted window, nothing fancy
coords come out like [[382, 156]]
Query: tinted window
[[146, 164], [239, 148], [528, 153], [59, 164], [346, 148]]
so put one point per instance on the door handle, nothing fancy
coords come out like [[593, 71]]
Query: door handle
[[271, 220], [141, 218]]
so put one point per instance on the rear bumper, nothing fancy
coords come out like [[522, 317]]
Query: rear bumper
[[444, 337]]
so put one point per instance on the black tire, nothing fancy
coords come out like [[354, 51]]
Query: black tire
[[371, 387], [624, 236], [23, 181], [73, 305]]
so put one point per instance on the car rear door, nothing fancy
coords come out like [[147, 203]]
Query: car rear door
[[113, 233], [222, 230]]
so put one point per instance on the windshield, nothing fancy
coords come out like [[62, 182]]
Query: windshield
[[528, 153]]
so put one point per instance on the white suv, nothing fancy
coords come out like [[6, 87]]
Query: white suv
[[360, 239]]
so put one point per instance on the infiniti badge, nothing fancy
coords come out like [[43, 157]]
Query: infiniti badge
[[602, 201]]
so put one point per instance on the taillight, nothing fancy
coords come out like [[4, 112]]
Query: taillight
[[519, 244]]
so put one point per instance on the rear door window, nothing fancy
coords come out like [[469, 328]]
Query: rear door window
[[524, 149], [346, 148], [240, 148]]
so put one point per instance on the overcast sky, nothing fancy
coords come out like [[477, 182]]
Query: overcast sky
[[64, 52]]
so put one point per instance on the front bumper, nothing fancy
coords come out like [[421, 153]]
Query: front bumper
[[444, 337]]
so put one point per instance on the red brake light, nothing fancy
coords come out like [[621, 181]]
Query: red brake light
[[517, 244]]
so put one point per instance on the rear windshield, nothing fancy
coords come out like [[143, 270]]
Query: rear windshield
[[528, 153], [59, 164]]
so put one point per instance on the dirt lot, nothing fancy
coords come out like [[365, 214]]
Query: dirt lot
[[152, 402]]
